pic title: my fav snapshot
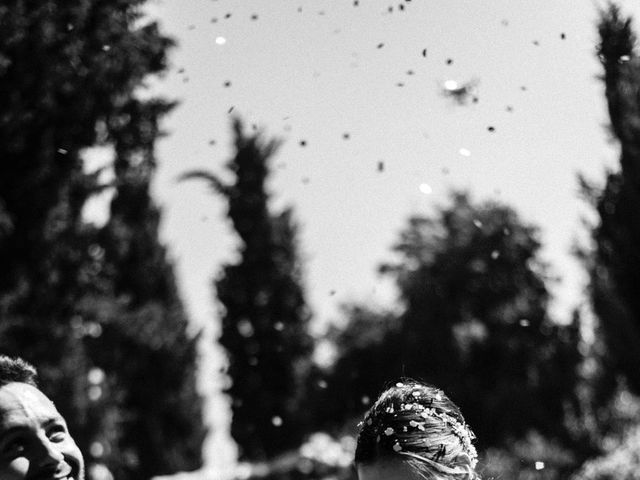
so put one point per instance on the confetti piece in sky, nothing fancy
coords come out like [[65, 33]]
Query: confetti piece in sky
[[303, 143], [491, 129], [424, 52], [221, 40], [276, 421], [525, 323], [495, 254], [425, 188], [477, 223], [563, 36], [227, 84], [381, 166], [449, 61], [539, 465], [380, 45]]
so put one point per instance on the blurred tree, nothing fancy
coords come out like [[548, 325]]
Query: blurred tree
[[474, 322], [96, 309], [264, 317], [614, 265]]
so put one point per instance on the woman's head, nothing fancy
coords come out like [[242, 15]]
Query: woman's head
[[415, 430]]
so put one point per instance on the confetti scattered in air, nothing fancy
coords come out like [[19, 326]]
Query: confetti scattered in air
[[491, 129], [563, 36], [221, 40], [461, 92], [539, 465], [449, 61], [536, 43], [230, 109], [477, 223], [346, 136], [525, 323], [425, 188], [380, 45], [276, 421], [424, 52], [495, 254], [303, 143], [227, 84], [254, 17], [62, 151], [381, 166]]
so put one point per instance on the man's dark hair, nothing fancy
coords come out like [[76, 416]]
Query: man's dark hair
[[14, 369]]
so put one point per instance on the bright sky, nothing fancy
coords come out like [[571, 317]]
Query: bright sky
[[317, 70]]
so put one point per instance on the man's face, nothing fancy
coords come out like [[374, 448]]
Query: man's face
[[34, 441]]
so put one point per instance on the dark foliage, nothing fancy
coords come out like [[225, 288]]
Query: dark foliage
[[264, 316], [94, 308]]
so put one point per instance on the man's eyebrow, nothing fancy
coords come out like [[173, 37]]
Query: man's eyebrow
[[57, 420]]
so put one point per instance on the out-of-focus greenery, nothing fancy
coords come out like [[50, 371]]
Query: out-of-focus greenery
[[264, 314], [94, 307]]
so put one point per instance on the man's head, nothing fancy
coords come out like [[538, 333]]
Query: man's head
[[34, 441]]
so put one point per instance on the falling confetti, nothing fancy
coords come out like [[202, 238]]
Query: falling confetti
[[276, 421], [381, 166], [563, 36], [221, 40], [524, 322], [230, 109], [62, 151], [227, 84], [303, 143], [477, 223], [461, 92], [491, 129], [380, 45], [464, 152], [495, 254], [424, 52], [539, 465], [425, 188], [449, 61]]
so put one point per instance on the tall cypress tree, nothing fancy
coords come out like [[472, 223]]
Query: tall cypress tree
[[264, 314], [615, 263], [95, 309]]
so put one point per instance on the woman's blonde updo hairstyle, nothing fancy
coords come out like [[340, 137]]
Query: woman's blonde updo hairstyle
[[420, 425]]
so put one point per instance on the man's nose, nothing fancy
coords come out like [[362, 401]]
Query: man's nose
[[49, 453]]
